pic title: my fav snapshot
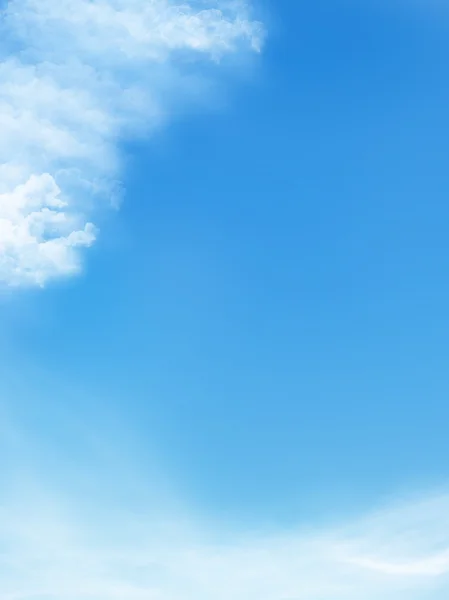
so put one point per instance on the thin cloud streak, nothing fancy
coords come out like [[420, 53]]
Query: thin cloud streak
[[76, 77], [56, 548], [89, 521]]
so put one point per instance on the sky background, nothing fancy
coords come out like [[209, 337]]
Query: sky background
[[257, 341]]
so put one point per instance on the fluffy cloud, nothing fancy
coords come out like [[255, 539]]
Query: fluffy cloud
[[76, 76], [37, 238]]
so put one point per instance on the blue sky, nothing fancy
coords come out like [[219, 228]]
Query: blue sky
[[233, 385]]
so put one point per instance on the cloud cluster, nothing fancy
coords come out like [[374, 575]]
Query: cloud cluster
[[77, 76]]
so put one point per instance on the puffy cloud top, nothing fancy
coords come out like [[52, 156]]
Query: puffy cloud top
[[76, 76]]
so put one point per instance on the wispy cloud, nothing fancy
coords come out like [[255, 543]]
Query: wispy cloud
[[76, 76], [86, 520], [87, 547]]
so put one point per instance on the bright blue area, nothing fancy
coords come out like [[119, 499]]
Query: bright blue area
[[269, 309]]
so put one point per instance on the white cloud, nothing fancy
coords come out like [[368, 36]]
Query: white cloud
[[75, 77], [37, 238]]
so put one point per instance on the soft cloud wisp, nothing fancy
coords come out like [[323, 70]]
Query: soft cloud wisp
[[49, 552], [75, 77]]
